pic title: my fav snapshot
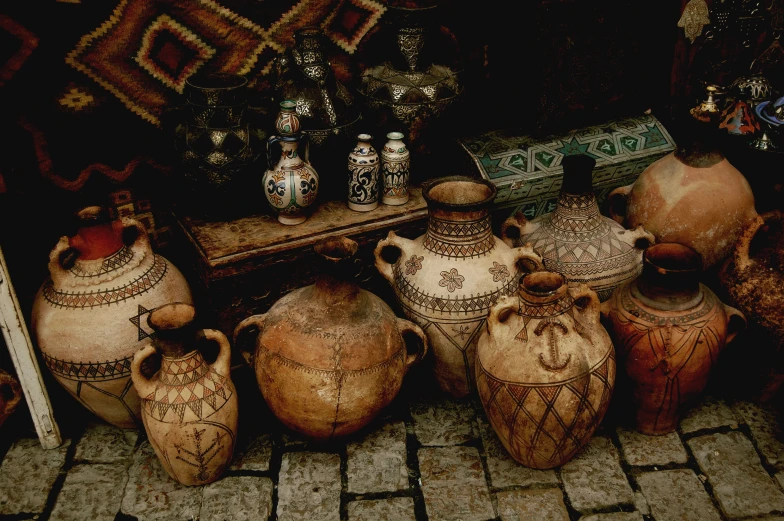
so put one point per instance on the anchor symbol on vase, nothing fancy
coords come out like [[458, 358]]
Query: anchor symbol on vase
[[554, 364]]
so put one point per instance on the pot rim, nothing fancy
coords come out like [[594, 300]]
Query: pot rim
[[238, 81], [483, 204], [525, 281], [693, 262]]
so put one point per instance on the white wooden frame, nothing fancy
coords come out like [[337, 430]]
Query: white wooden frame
[[17, 339]]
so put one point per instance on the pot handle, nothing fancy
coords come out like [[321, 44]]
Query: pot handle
[[270, 141], [16, 392], [392, 241], [736, 317], [741, 254], [222, 363], [500, 312], [593, 308], [514, 228], [144, 387], [526, 255], [613, 198], [256, 321], [641, 233], [406, 326]]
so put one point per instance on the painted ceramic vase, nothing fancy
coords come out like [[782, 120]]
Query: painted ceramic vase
[[189, 407], [576, 240], [395, 164], [753, 277], [668, 330], [692, 196], [363, 167], [545, 370], [330, 356], [89, 317], [292, 185], [447, 279]]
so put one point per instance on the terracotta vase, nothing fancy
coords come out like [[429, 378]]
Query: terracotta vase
[[753, 277], [668, 330], [447, 280], [189, 407], [692, 196], [395, 169], [576, 240], [89, 317], [10, 395], [545, 370], [363, 168], [330, 356]]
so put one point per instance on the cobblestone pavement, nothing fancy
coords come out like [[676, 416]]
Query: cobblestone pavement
[[428, 457]]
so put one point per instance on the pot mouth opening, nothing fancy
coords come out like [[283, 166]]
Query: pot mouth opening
[[364, 137], [459, 193], [217, 81], [93, 215], [542, 283], [336, 248], [288, 104], [673, 257], [171, 316], [395, 135]]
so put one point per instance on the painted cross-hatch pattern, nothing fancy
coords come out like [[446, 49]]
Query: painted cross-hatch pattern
[[459, 239], [120, 368]]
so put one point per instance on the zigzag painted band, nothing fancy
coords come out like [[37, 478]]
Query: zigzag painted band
[[707, 305], [111, 263], [334, 373], [591, 268], [120, 368]]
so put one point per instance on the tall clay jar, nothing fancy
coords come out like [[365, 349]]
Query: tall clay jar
[[330, 356], [363, 167], [90, 316], [447, 280], [189, 407], [668, 330], [395, 164], [576, 240], [545, 370]]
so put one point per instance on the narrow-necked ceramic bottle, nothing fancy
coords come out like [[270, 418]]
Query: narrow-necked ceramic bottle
[[363, 167], [395, 164]]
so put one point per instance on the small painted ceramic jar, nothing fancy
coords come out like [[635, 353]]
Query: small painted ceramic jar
[[395, 164], [287, 122], [363, 167]]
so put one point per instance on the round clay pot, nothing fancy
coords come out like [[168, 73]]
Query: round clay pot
[[89, 317], [576, 240], [189, 407], [668, 330], [692, 196], [447, 280], [545, 370], [330, 356]]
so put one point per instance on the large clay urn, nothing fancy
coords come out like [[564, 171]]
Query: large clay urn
[[330, 356], [668, 330], [90, 316], [189, 407], [545, 369], [576, 240], [753, 277], [447, 279], [692, 196]]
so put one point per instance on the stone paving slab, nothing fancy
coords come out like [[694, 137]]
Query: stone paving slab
[[766, 426], [309, 487], [442, 421], [392, 509], [453, 483], [640, 449], [91, 492], [504, 470], [539, 504], [377, 463], [253, 454], [615, 516], [677, 495], [104, 443], [708, 413], [237, 498], [594, 479], [740, 484], [27, 463], [151, 495]]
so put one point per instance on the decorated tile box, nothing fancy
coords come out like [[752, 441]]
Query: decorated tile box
[[528, 171]]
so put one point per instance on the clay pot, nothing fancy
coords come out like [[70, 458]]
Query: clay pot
[[189, 407], [10, 395], [576, 240], [692, 196], [753, 277], [545, 370], [447, 279], [668, 330], [330, 356], [89, 317]]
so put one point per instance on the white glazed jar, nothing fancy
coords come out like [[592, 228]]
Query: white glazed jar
[[363, 167]]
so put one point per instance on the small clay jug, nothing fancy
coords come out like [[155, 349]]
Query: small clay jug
[[330, 356], [668, 330], [189, 407], [545, 369]]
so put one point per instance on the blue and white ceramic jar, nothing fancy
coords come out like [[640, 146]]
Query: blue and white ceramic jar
[[363, 167]]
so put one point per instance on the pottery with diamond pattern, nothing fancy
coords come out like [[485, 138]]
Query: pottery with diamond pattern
[[447, 280], [545, 369]]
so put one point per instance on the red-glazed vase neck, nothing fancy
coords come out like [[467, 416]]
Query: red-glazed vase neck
[[97, 236]]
